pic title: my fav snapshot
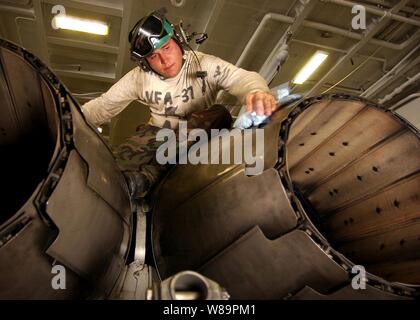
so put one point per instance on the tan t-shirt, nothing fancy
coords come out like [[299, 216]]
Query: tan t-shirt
[[171, 100]]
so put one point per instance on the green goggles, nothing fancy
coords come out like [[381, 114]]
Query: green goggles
[[149, 35]]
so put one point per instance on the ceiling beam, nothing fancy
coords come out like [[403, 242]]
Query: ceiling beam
[[102, 8], [40, 31], [20, 11], [88, 75], [123, 44], [83, 45]]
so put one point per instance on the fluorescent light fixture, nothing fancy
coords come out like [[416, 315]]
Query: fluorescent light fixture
[[316, 60], [82, 25]]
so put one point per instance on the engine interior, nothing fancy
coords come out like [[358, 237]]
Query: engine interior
[[28, 131], [355, 166]]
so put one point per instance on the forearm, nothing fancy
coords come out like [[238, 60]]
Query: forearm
[[100, 110], [112, 102], [247, 82]]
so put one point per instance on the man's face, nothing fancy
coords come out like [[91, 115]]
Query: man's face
[[167, 60]]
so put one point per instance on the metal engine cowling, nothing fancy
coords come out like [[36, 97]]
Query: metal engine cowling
[[340, 188], [64, 201]]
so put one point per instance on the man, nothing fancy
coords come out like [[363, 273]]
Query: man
[[176, 84]]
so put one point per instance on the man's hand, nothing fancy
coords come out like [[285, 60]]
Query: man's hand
[[260, 102]]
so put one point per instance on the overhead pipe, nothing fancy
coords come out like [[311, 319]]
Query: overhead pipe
[[280, 52], [399, 89], [386, 77], [323, 27], [385, 3], [356, 36], [371, 31], [375, 11], [267, 17], [402, 102], [406, 67]]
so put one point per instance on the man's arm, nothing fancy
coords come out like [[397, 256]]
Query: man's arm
[[249, 87], [112, 102]]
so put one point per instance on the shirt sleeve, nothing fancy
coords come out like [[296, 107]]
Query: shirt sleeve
[[115, 100], [236, 81]]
